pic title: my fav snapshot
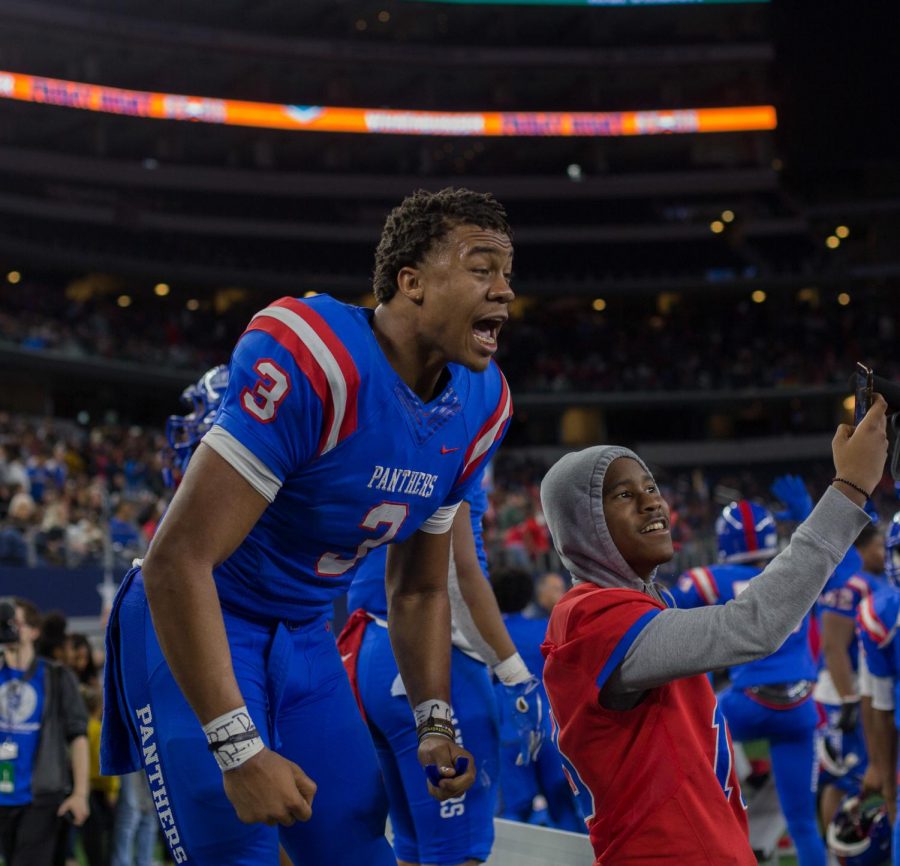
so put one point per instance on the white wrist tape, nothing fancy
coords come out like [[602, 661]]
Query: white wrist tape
[[433, 709], [233, 738], [512, 671]]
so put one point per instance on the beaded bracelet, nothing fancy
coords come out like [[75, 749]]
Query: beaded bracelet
[[856, 487]]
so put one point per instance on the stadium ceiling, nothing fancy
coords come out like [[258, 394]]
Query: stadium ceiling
[[87, 187]]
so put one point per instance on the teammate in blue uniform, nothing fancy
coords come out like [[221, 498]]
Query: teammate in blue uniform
[[769, 698], [877, 619], [459, 830], [520, 784], [342, 429], [837, 690]]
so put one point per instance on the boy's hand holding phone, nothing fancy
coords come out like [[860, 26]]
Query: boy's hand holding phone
[[860, 453]]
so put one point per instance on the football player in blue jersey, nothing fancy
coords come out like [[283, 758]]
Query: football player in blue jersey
[[341, 429], [770, 698], [459, 830], [877, 619], [837, 691], [521, 783]]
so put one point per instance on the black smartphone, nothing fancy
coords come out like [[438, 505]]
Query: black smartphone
[[863, 392]]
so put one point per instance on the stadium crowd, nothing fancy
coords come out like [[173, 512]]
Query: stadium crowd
[[74, 496], [698, 344]]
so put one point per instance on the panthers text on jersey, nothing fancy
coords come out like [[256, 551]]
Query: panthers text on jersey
[[317, 420]]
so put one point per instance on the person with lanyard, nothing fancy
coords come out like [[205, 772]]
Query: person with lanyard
[[44, 756]]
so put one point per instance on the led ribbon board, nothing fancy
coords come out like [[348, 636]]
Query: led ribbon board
[[320, 118], [592, 2]]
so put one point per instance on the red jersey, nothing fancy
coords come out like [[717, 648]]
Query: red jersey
[[657, 781]]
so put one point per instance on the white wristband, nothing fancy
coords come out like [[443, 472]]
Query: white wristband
[[433, 709], [512, 671], [223, 730]]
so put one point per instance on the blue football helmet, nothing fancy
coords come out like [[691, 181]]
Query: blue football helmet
[[184, 432], [892, 551], [859, 834], [746, 532]]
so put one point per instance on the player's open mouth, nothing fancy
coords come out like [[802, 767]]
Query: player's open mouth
[[659, 524], [486, 332]]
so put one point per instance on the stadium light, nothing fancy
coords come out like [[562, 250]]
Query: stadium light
[[13, 277], [843, 299], [124, 301], [717, 227], [832, 242], [727, 216], [842, 232], [310, 294], [758, 297], [193, 304], [599, 305], [161, 290]]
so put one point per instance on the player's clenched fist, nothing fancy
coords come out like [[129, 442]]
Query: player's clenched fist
[[449, 768], [269, 789]]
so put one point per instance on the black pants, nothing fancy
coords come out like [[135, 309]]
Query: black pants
[[96, 833], [28, 834]]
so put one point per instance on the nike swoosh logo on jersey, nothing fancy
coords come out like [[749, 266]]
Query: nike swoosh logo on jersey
[[344, 658], [446, 450]]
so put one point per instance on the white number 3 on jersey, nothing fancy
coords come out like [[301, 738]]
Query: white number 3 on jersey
[[265, 398]]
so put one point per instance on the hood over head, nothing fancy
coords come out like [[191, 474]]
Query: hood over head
[[572, 498]]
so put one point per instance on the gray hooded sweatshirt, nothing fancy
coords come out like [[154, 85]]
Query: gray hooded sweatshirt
[[682, 643]]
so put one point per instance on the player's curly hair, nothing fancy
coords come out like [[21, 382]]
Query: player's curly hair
[[513, 588], [424, 218]]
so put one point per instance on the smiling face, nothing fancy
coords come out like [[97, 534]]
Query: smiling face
[[636, 516], [463, 291]]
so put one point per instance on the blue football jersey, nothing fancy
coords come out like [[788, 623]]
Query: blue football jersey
[[368, 591], [877, 620], [719, 584], [527, 634], [843, 594], [349, 458]]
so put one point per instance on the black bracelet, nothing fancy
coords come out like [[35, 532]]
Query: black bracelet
[[233, 740], [856, 487], [436, 726]]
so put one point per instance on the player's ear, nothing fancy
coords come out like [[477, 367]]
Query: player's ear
[[409, 284]]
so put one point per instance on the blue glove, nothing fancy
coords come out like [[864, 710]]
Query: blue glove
[[526, 710], [791, 490], [869, 508], [434, 774]]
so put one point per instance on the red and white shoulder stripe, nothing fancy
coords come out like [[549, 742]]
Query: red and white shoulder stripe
[[859, 586], [322, 357], [706, 584], [872, 624], [490, 432]]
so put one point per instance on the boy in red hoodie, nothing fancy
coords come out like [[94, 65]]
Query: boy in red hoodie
[[636, 720]]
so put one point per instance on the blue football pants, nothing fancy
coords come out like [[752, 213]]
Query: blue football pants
[[426, 831], [792, 745], [298, 694]]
